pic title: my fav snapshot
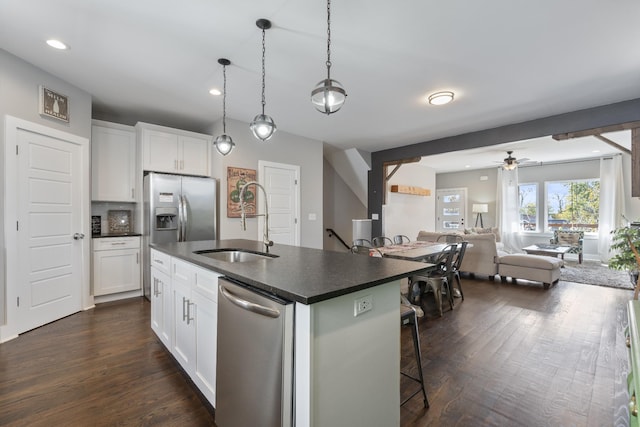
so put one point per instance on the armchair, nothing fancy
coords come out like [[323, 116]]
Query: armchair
[[572, 238]]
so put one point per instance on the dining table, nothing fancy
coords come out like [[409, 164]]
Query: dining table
[[411, 251]]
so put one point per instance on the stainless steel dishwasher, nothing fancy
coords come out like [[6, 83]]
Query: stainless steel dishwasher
[[254, 370]]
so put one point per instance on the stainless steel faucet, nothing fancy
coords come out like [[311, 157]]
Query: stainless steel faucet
[[243, 215]]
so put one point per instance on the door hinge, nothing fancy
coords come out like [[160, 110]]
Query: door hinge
[[295, 182], [295, 220], [16, 150], [17, 226], [18, 301]]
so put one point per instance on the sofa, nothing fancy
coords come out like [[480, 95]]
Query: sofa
[[482, 255]]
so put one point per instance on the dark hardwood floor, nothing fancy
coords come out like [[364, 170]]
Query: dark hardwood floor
[[509, 355]]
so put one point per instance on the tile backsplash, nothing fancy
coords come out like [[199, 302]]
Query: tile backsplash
[[119, 221]]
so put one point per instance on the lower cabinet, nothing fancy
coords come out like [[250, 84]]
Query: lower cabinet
[[191, 311], [116, 265], [161, 306]]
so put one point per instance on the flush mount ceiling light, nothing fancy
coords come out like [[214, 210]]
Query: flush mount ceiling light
[[328, 96], [224, 144], [57, 44], [262, 125], [440, 98], [215, 92]]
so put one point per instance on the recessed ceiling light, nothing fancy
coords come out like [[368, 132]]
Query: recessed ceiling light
[[215, 92], [440, 98], [57, 44], [467, 166], [595, 151]]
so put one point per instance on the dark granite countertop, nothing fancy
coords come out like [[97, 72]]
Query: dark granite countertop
[[299, 274]]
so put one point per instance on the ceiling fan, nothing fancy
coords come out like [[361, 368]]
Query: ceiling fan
[[510, 162]]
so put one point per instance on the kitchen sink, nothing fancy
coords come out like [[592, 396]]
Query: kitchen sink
[[234, 255]]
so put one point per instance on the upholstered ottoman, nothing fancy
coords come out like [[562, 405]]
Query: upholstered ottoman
[[530, 267]]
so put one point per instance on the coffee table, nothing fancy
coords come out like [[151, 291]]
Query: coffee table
[[547, 250]]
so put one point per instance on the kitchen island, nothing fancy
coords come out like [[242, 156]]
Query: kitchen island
[[346, 366]]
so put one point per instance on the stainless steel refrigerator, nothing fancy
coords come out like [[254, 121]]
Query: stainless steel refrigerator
[[176, 209]]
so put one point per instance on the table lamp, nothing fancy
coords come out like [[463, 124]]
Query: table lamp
[[480, 208]]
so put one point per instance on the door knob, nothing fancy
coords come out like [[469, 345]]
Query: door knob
[[78, 236]]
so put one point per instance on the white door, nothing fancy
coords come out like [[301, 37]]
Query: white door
[[451, 209], [49, 229], [283, 190]]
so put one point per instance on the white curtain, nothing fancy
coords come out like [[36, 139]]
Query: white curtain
[[611, 202], [508, 210]]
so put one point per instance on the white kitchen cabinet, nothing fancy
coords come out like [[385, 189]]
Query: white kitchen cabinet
[[174, 151], [116, 265], [113, 162], [162, 306], [195, 308]]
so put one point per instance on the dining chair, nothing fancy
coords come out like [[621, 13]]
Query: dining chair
[[362, 242], [381, 241], [399, 239], [455, 268], [450, 238], [436, 279]]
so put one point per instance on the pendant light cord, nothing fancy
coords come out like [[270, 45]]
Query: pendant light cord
[[263, 72], [224, 100], [328, 39]]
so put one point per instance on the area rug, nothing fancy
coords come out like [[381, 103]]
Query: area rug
[[594, 273]]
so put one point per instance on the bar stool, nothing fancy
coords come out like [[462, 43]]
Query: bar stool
[[408, 316]]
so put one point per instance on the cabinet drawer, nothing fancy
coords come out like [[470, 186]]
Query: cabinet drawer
[[110, 243], [161, 261]]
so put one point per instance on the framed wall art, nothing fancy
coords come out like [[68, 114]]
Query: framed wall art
[[53, 104], [236, 178]]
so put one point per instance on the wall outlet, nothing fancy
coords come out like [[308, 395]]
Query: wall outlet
[[362, 305]]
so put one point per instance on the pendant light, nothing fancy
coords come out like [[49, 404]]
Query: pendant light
[[224, 144], [263, 126], [328, 96]]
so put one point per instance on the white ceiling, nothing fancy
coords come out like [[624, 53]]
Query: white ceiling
[[507, 61]]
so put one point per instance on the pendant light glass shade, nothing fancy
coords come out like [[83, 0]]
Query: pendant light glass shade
[[224, 144], [328, 96], [263, 126]]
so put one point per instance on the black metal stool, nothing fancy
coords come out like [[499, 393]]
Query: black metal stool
[[408, 317]]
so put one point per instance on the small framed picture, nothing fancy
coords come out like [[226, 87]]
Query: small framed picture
[[53, 104]]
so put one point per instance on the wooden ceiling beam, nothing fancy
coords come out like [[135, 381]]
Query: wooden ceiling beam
[[613, 144], [596, 131]]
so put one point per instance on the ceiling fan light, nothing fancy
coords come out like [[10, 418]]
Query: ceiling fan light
[[57, 44], [224, 144], [441, 98], [263, 127], [328, 96], [509, 166]]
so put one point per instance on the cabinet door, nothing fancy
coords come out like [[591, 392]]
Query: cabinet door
[[113, 164], [184, 340], [116, 271], [160, 151], [206, 318], [161, 306], [195, 155]]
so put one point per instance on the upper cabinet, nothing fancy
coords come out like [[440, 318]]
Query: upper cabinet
[[174, 151], [113, 162]]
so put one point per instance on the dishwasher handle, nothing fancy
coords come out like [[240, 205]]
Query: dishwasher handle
[[248, 305]]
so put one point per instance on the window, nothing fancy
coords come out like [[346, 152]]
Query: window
[[528, 198], [573, 205]]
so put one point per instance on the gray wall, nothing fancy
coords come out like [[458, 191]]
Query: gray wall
[[19, 83], [477, 191], [281, 148], [341, 206]]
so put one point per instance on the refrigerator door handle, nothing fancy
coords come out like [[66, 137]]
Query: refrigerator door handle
[[248, 305], [185, 218], [180, 239]]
